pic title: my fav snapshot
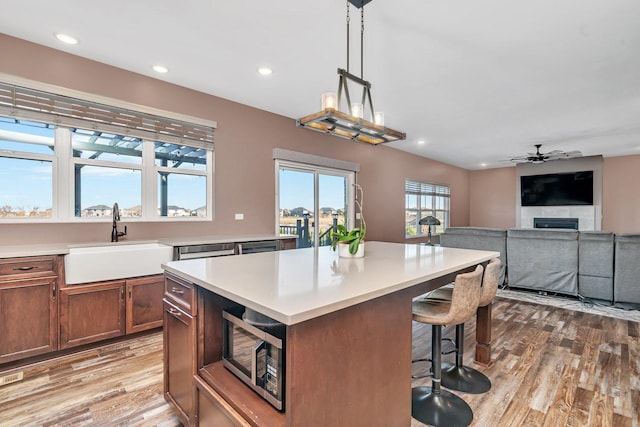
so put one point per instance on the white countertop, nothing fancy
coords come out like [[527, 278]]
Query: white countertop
[[300, 284], [15, 251]]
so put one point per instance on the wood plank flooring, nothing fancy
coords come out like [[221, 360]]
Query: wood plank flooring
[[552, 367]]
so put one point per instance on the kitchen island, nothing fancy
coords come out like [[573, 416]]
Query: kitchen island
[[348, 331]]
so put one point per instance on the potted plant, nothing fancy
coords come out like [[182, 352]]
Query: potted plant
[[351, 242]]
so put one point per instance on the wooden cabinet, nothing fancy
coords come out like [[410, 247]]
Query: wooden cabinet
[[28, 306], [144, 303], [28, 317], [179, 361], [98, 311], [90, 313]]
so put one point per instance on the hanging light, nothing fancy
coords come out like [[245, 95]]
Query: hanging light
[[357, 123]]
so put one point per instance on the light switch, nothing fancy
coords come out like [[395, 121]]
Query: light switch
[[239, 216]]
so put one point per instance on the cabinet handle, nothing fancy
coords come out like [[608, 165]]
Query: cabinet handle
[[177, 291], [130, 291], [25, 268], [121, 293], [54, 291], [175, 312]]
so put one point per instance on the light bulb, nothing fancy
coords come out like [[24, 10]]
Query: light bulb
[[329, 100], [357, 109]]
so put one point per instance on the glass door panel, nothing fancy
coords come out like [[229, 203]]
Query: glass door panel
[[296, 200], [332, 199]]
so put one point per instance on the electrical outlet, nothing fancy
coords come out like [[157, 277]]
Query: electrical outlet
[[357, 215], [239, 217]]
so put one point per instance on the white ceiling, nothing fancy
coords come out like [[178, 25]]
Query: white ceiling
[[479, 80]]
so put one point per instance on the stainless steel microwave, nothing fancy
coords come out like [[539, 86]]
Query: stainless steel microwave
[[253, 350]]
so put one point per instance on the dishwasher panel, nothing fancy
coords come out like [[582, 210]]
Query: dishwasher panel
[[203, 251]]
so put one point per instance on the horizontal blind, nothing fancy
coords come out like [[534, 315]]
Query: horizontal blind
[[32, 104], [425, 188]]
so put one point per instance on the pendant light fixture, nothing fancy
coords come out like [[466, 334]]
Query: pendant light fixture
[[361, 122]]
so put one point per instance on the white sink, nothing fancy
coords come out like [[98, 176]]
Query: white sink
[[114, 261]]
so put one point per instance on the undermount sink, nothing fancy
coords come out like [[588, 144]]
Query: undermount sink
[[114, 261]]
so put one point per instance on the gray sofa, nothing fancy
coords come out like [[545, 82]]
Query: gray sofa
[[490, 239], [626, 276], [543, 259], [596, 265]]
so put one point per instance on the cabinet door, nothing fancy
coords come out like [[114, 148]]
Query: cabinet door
[[90, 313], [179, 361], [28, 318], [144, 303]]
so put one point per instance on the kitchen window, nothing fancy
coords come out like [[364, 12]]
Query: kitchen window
[[421, 200], [26, 169], [66, 159]]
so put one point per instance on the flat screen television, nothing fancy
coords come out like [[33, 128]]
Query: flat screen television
[[557, 189]]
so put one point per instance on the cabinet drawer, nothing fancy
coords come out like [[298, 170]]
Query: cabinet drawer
[[24, 267], [181, 293]]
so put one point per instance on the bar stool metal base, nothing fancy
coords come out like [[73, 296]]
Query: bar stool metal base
[[465, 379], [439, 408]]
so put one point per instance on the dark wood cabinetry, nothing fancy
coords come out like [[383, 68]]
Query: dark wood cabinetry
[[28, 318], [180, 348], [90, 313], [28, 306], [97, 311], [144, 303]]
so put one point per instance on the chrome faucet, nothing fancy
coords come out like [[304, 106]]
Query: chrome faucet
[[114, 231]]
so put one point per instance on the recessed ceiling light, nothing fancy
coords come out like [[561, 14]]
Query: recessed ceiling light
[[65, 38], [422, 141], [484, 165], [265, 71], [160, 69]]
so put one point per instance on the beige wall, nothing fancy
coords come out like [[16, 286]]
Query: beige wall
[[621, 194], [493, 198], [244, 168]]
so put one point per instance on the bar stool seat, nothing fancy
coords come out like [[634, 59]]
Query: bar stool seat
[[432, 405], [458, 376]]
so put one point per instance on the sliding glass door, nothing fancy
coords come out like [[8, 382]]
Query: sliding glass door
[[311, 201]]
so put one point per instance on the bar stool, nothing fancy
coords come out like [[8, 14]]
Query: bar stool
[[431, 405], [458, 376]]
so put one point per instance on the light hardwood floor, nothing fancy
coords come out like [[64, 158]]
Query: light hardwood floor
[[552, 367]]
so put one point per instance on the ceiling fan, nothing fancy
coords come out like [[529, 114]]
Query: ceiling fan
[[539, 157]]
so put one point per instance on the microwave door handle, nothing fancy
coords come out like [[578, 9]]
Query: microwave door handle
[[254, 361]]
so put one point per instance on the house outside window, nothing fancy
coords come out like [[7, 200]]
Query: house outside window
[[421, 200]]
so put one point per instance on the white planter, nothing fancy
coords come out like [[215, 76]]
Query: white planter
[[343, 251]]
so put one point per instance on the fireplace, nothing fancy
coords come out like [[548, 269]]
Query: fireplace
[[570, 223]]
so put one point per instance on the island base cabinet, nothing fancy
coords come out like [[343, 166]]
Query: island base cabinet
[[144, 303], [179, 361], [213, 410], [28, 318], [91, 313]]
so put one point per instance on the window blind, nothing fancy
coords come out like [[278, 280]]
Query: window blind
[[33, 104], [426, 188]]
